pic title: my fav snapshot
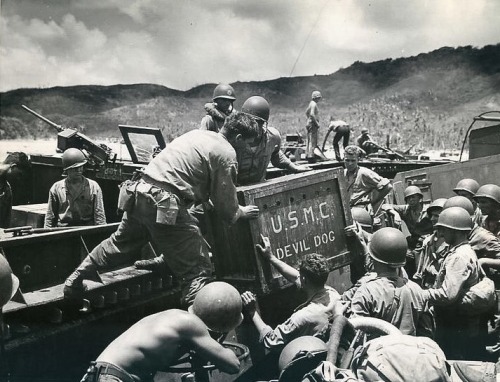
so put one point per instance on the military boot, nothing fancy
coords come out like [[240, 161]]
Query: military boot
[[156, 264], [73, 286]]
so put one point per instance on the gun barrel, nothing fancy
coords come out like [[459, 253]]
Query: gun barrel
[[59, 128]]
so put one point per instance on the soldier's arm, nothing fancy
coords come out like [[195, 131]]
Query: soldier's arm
[[457, 273], [211, 351], [99, 214], [51, 215], [287, 271]]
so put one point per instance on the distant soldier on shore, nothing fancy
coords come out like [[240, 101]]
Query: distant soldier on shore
[[312, 126], [342, 132]]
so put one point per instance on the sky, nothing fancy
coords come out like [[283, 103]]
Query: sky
[[184, 43]]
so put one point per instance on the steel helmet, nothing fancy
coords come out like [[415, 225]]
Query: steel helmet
[[389, 246], [469, 185], [456, 218], [364, 130], [436, 204], [412, 190], [300, 345], [257, 106], [8, 282], [490, 191], [460, 201], [73, 158], [219, 306], [224, 91], [315, 94], [362, 217]]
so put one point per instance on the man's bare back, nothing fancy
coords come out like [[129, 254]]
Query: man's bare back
[[157, 341]]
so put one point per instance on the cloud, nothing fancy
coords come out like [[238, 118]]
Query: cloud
[[181, 44]]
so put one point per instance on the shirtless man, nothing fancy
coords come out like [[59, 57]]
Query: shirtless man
[[157, 341]]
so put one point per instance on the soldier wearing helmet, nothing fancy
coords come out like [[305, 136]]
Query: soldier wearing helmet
[[312, 126], [159, 340], [358, 236], [365, 142], [75, 200], [457, 332], [253, 162], [217, 111], [412, 213], [488, 200], [310, 318], [9, 283], [365, 188], [431, 249], [467, 188], [483, 242], [387, 295]]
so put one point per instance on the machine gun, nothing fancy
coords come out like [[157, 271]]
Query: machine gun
[[67, 138]]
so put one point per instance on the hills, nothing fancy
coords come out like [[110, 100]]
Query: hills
[[424, 101]]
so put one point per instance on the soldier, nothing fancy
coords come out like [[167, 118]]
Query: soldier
[[5, 197], [358, 236], [365, 142], [388, 296], [467, 188], [253, 163], [431, 251], [312, 126], [412, 213], [157, 341], [76, 200], [458, 333], [8, 284], [309, 318], [365, 187], [488, 200], [483, 242], [342, 132], [193, 168], [217, 111]]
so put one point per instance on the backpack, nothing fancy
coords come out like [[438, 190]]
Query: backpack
[[401, 358]]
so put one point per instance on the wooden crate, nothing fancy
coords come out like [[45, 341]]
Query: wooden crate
[[300, 213], [29, 214]]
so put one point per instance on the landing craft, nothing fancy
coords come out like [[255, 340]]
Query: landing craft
[[42, 330]]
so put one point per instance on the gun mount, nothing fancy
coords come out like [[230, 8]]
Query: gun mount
[[67, 138]]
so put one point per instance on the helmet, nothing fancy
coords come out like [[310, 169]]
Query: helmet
[[469, 185], [73, 158], [438, 203], [389, 246], [315, 94], [219, 305], [364, 130], [224, 91], [362, 217], [456, 218], [305, 344], [256, 106], [412, 190], [460, 201], [8, 282], [490, 191]]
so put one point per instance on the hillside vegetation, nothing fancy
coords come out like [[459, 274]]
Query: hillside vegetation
[[426, 101]]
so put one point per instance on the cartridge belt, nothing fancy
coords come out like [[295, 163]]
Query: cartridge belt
[[166, 187]]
